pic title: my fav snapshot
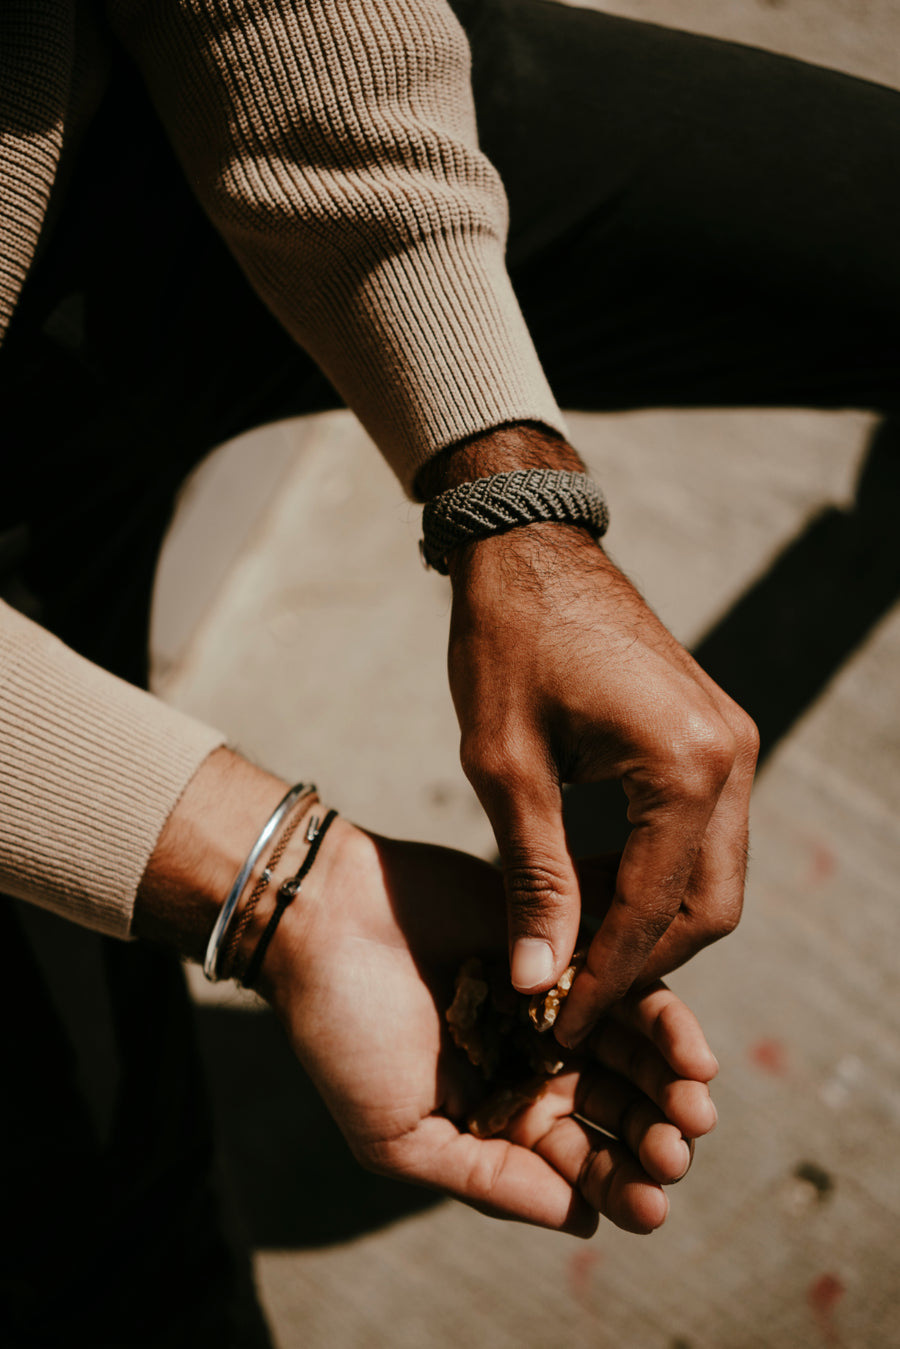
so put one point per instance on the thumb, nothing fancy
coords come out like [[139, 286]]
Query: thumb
[[542, 891]]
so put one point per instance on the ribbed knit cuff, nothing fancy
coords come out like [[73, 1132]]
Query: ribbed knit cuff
[[90, 769], [35, 68], [443, 319], [335, 149]]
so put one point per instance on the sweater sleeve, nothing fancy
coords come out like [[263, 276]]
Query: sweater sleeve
[[333, 145], [90, 769]]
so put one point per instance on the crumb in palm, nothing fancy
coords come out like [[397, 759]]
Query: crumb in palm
[[504, 1034]]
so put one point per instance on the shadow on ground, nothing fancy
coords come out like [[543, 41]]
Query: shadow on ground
[[292, 1178], [788, 635], [774, 651], [289, 1170]]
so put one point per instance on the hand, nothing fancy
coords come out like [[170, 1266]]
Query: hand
[[360, 971], [560, 673]]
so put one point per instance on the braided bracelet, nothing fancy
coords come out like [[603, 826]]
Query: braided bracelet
[[226, 960], [226, 913], [524, 496], [286, 894]]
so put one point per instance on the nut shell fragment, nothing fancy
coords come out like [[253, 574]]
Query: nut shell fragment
[[543, 1008], [463, 1018], [504, 1034], [495, 1112]]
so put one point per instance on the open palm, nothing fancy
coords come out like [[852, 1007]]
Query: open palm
[[360, 974]]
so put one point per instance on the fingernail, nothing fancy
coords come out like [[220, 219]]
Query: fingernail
[[571, 1039], [689, 1153], [532, 964]]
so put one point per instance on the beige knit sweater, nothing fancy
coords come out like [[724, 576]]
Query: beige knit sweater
[[333, 145]]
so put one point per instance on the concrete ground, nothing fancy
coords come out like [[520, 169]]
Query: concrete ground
[[292, 612]]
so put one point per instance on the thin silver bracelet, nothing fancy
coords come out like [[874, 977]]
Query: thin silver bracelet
[[226, 913]]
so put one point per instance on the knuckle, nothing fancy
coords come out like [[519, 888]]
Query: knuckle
[[705, 760], [634, 1121], [746, 735], [650, 916], [485, 1175], [725, 921], [595, 1178], [384, 1156], [634, 1062], [534, 886], [714, 926], [491, 764], [372, 1159], [743, 729], [588, 1176]]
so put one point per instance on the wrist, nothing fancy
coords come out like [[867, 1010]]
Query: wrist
[[201, 848], [522, 445], [303, 941], [269, 911]]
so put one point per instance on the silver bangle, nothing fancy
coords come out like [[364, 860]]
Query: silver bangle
[[226, 913]]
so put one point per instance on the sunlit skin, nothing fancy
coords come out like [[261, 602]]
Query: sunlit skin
[[360, 972], [561, 673], [360, 976]]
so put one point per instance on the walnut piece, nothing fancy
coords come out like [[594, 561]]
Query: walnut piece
[[493, 1114], [504, 1034], [543, 1008]]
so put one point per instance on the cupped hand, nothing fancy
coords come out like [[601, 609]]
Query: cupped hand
[[360, 972], [560, 673]]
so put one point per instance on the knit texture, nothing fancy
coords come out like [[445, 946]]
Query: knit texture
[[492, 505], [37, 52], [90, 769], [333, 145]]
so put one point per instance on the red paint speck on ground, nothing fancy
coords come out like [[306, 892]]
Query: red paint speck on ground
[[823, 1296], [580, 1266], [824, 864], [771, 1056]]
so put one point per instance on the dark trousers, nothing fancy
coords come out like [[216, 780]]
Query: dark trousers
[[692, 223]]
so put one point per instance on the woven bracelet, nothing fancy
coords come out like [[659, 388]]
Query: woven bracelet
[[227, 958], [524, 496], [226, 913], [287, 892]]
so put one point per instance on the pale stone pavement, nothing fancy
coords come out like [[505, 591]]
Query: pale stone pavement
[[292, 611]]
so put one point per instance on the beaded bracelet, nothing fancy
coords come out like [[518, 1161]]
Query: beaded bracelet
[[226, 913]]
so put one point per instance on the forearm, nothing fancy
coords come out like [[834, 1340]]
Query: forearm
[[201, 849], [90, 769], [520, 445], [335, 149]]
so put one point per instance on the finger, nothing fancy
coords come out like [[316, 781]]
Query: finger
[[524, 805], [606, 1101], [657, 1013], [713, 900], [610, 1101], [606, 1174], [685, 1103], [611, 1180], [493, 1175], [597, 883], [656, 867]]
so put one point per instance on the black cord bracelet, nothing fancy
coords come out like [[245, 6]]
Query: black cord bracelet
[[286, 893]]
